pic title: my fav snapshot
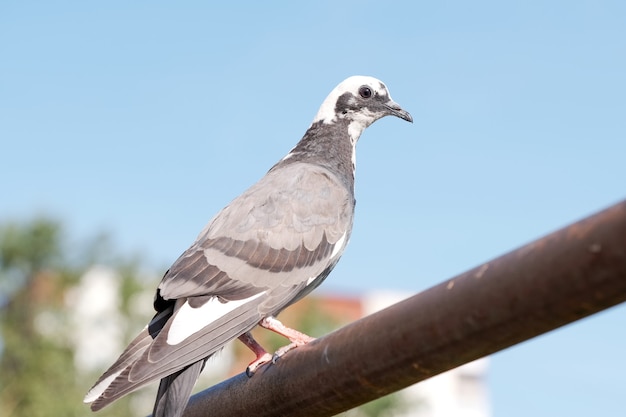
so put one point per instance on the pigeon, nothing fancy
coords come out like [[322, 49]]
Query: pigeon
[[264, 251]]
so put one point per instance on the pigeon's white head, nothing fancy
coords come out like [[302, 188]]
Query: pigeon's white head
[[360, 100]]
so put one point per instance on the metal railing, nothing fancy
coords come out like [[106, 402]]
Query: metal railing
[[563, 277]]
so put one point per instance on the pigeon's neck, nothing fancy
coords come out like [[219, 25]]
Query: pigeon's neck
[[331, 145]]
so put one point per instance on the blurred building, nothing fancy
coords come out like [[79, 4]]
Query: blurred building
[[96, 319]]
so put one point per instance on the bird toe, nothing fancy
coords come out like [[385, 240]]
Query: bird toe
[[260, 361]]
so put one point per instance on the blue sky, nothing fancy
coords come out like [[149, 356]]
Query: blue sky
[[145, 119]]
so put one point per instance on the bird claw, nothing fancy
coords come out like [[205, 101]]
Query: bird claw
[[280, 352], [260, 361], [263, 357]]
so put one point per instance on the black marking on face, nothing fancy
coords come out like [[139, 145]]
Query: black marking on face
[[345, 103]]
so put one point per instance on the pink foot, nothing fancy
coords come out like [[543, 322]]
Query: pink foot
[[262, 356], [295, 337]]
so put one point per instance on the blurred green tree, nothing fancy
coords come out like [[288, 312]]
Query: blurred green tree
[[38, 377]]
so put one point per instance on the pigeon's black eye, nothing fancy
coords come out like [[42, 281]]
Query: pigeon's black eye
[[365, 92]]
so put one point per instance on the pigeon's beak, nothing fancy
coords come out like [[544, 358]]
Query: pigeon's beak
[[395, 110]]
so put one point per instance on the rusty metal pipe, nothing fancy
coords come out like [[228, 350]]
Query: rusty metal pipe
[[565, 276]]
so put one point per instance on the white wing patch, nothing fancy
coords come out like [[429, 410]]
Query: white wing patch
[[189, 320], [339, 245], [99, 389]]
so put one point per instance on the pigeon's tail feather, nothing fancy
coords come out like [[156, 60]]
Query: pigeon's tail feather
[[98, 395], [175, 389], [133, 352]]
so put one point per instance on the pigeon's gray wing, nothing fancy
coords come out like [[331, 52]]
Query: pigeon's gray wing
[[281, 232], [269, 247]]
